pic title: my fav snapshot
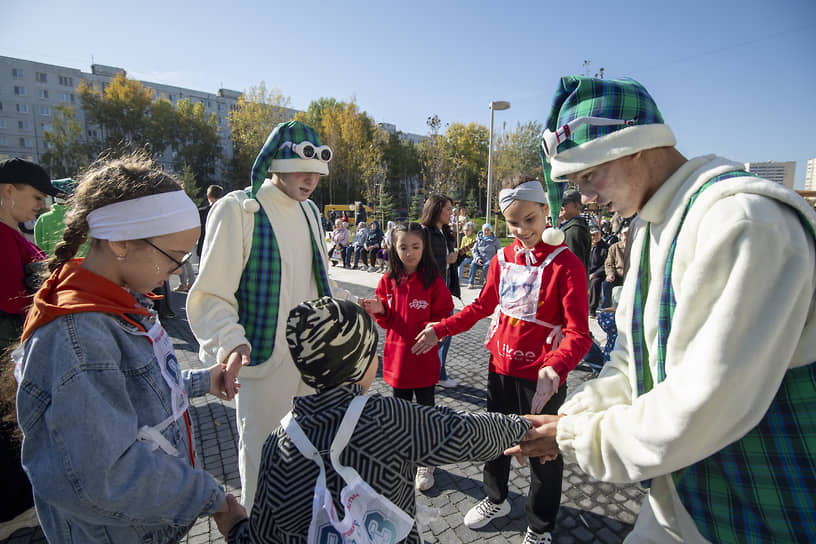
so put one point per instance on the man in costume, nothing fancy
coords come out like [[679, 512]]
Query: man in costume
[[263, 255], [709, 398]]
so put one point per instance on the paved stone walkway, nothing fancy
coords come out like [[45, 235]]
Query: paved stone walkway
[[590, 511]]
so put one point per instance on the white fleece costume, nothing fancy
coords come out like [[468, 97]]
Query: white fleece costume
[[212, 309], [744, 277]]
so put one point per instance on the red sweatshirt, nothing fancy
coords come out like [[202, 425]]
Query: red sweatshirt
[[17, 252], [409, 306], [519, 348]]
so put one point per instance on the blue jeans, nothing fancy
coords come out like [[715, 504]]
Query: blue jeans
[[466, 261], [473, 268], [443, 355]]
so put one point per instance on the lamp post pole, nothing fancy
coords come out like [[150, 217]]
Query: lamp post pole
[[494, 105]]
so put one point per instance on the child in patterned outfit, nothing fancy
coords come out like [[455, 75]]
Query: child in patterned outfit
[[410, 295], [389, 440]]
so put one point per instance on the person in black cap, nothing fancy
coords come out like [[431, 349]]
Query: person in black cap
[[23, 186]]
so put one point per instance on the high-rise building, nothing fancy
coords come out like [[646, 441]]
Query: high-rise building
[[30, 90], [810, 176], [779, 172]]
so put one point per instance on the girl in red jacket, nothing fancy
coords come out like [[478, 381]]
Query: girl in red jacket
[[410, 295], [539, 333]]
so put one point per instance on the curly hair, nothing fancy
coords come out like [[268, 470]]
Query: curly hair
[[105, 182]]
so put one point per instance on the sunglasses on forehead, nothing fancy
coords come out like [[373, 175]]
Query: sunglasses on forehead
[[551, 139], [307, 150]]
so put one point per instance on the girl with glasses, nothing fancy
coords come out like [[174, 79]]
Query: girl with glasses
[[102, 402]]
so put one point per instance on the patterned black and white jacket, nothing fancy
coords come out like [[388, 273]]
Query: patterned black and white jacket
[[391, 438]]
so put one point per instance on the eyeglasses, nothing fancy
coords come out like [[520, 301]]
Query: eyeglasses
[[550, 140], [307, 150], [179, 264]]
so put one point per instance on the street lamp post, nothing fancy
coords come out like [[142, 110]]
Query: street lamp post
[[494, 106]]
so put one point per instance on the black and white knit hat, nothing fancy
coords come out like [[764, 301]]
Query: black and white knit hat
[[332, 342]]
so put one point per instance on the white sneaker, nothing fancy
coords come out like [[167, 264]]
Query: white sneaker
[[484, 512], [537, 538], [450, 382], [424, 478]]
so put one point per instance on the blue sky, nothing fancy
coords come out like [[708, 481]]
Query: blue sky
[[733, 78]]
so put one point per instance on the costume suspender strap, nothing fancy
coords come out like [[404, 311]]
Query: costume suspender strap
[[341, 439], [304, 446]]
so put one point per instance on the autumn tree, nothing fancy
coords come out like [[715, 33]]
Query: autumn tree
[[439, 171], [120, 110], [252, 118], [467, 148], [357, 164], [66, 153], [517, 152]]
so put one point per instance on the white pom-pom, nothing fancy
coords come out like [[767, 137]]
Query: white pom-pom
[[553, 236], [251, 205]]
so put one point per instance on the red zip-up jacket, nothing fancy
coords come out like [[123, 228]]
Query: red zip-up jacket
[[519, 348], [409, 306]]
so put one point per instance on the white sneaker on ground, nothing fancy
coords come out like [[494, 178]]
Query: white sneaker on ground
[[484, 512], [450, 382], [424, 478], [537, 538], [471, 286]]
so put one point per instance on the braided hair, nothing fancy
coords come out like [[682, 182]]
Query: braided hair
[[105, 182]]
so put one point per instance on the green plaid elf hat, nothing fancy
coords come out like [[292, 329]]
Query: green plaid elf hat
[[332, 341], [291, 147], [593, 121]]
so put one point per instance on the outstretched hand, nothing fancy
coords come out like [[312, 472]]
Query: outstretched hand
[[373, 306], [540, 441], [231, 513], [546, 387], [426, 340], [237, 358]]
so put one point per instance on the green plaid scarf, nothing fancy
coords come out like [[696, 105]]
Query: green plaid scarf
[[761, 487], [258, 292]]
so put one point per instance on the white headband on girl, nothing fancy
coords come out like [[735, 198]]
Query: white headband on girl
[[144, 217], [529, 190]]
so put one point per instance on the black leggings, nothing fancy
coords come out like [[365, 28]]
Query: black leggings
[[424, 395]]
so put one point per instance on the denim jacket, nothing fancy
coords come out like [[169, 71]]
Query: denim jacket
[[89, 383]]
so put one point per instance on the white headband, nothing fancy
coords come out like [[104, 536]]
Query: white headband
[[144, 217], [529, 190]]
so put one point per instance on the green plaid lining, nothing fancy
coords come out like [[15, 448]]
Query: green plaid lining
[[258, 292], [760, 488]]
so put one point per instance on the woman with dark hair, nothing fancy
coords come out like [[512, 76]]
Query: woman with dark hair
[[436, 216]]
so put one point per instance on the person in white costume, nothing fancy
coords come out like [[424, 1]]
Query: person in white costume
[[709, 398], [263, 255]]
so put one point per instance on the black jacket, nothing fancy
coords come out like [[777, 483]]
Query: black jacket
[[576, 234]]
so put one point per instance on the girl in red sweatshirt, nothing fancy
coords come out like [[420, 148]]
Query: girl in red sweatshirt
[[539, 333], [408, 296]]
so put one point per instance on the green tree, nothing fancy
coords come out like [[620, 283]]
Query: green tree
[[415, 211], [67, 152], [254, 115], [196, 141], [190, 185], [386, 207]]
